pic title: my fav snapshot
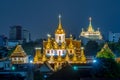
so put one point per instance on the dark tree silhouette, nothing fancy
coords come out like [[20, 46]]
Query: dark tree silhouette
[[91, 48]]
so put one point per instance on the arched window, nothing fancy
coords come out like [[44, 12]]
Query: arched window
[[59, 52], [48, 51], [59, 37], [70, 51], [51, 51]]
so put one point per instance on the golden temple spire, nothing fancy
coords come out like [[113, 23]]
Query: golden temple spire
[[90, 28], [60, 25], [63, 45], [55, 45], [37, 54], [67, 57], [51, 58], [48, 46], [59, 58], [60, 29], [71, 46], [83, 58], [74, 57], [44, 58]]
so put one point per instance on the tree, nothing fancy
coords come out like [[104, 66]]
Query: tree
[[105, 52], [91, 48], [3, 52], [108, 68]]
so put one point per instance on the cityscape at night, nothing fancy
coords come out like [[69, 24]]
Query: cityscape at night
[[59, 40]]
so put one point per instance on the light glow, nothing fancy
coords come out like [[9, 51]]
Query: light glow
[[94, 61], [31, 61]]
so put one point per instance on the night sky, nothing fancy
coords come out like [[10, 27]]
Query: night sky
[[40, 17]]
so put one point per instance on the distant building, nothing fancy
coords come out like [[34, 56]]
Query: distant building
[[9, 71], [91, 33], [15, 33], [12, 43], [5, 64], [114, 37], [17, 36], [26, 36], [3, 41], [19, 56]]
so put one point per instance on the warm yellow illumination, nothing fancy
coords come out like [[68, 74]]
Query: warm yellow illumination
[[18, 56], [91, 33], [48, 35], [60, 29], [60, 50]]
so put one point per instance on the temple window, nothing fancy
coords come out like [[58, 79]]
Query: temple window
[[59, 52], [59, 37], [48, 51], [51, 51]]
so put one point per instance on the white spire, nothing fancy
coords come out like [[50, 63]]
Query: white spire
[[59, 18], [90, 19]]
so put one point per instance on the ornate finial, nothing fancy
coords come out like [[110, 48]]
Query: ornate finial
[[90, 19], [98, 29], [70, 35], [82, 30], [82, 48], [59, 18], [48, 35]]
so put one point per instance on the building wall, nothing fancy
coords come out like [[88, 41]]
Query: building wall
[[26, 36], [18, 60], [60, 38], [55, 52]]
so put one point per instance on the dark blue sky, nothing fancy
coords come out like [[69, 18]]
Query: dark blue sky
[[41, 16]]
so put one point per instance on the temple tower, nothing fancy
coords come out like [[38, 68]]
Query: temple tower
[[60, 33]]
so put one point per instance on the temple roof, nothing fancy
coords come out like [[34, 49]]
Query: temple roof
[[18, 52], [75, 43], [60, 30]]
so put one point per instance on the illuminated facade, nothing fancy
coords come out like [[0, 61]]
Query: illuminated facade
[[19, 56], [60, 49], [91, 33]]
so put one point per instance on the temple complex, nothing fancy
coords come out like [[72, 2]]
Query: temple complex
[[59, 50]]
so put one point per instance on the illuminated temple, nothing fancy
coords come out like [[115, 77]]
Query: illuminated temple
[[60, 50], [19, 56], [91, 33]]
